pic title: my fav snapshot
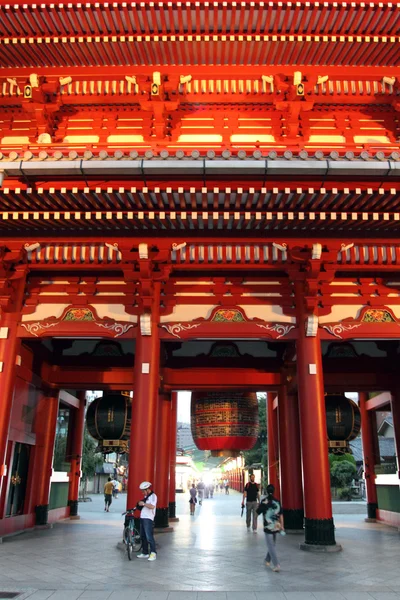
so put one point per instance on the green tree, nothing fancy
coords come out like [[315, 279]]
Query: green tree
[[342, 473], [258, 454], [90, 458]]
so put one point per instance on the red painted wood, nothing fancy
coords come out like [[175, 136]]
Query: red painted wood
[[77, 447], [395, 404], [290, 450], [378, 402], [162, 474], [273, 445], [369, 458], [142, 453], [9, 346], [46, 422], [316, 476], [172, 445]]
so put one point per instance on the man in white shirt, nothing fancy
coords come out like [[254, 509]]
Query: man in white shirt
[[147, 515]]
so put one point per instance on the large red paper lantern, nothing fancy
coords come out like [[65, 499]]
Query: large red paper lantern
[[224, 422]]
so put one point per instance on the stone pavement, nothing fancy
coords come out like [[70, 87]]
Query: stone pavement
[[207, 557]]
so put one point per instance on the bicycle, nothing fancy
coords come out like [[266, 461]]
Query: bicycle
[[131, 536]]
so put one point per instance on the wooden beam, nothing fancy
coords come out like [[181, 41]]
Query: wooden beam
[[379, 402], [69, 399]]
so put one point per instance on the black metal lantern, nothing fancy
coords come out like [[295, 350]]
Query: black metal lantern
[[108, 420], [343, 422]]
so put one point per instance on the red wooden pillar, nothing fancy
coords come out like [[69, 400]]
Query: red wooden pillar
[[76, 454], [143, 445], [290, 460], [273, 449], [395, 403], [45, 428], [319, 527], [9, 345], [163, 460], [172, 456], [368, 454]]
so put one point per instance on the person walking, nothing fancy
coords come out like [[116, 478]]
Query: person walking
[[226, 485], [271, 510], [115, 488], [211, 487], [251, 495], [193, 499], [200, 489], [108, 492], [147, 514]]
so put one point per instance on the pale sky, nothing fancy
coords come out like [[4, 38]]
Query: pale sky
[[184, 407]]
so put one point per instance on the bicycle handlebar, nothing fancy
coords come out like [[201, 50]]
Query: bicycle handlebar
[[129, 510]]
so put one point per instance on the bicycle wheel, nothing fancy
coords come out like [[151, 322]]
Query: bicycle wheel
[[128, 542], [136, 540]]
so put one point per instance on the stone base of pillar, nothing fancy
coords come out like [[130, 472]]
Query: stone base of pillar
[[73, 508], [371, 510], [294, 531], [173, 519], [319, 532], [320, 548], [161, 518], [293, 519], [42, 514], [172, 510]]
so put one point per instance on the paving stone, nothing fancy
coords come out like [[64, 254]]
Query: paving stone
[[357, 595], [299, 596], [127, 594], [66, 595], [385, 595], [153, 595], [210, 557], [211, 595], [325, 595], [181, 595], [40, 595]]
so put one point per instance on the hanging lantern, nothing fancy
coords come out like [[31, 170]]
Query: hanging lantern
[[343, 422], [108, 420], [224, 422]]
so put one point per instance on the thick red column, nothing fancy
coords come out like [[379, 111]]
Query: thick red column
[[9, 344], [368, 454], [319, 527], [290, 460], [45, 428], [172, 456], [273, 446], [395, 403], [163, 460], [76, 455], [143, 444]]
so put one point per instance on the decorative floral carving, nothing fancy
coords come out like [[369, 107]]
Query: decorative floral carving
[[228, 315], [118, 328], [79, 314], [176, 328], [373, 315], [279, 328], [34, 328], [339, 328], [16, 479]]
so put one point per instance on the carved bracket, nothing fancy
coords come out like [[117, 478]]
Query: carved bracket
[[372, 322], [231, 322], [76, 321]]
